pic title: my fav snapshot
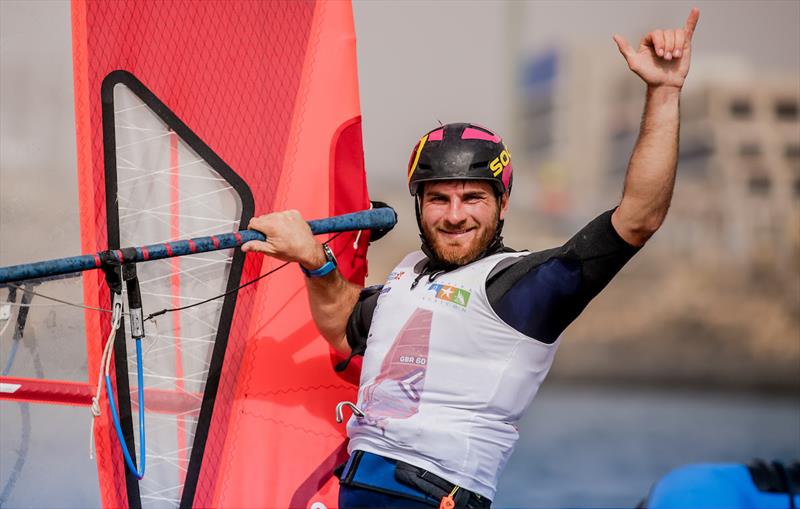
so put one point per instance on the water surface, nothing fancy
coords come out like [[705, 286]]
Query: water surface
[[584, 446]]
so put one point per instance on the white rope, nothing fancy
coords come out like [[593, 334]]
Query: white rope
[[5, 326], [64, 302], [105, 363], [358, 235], [154, 337]]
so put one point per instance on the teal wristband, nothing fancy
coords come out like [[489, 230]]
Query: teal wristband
[[326, 269], [322, 271]]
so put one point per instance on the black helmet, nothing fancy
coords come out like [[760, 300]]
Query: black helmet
[[460, 151], [456, 152]]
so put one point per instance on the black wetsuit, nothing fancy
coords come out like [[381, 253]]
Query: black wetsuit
[[539, 294]]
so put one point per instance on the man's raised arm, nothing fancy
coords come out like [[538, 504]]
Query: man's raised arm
[[662, 61], [331, 297]]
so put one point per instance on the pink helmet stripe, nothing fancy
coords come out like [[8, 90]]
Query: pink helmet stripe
[[476, 134], [506, 176], [436, 135]]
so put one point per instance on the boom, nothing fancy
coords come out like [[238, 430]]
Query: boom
[[374, 219]]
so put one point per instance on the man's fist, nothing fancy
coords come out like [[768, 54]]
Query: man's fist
[[663, 56], [289, 238]]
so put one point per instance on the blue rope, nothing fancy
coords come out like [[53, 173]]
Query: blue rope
[[140, 376], [13, 353]]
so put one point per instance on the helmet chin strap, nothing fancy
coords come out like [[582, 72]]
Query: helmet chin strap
[[437, 264]]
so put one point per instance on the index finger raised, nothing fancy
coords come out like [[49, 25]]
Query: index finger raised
[[691, 22]]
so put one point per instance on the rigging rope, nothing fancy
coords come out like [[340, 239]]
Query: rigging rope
[[105, 360], [276, 269], [171, 310], [3, 329], [163, 311], [61, 301], [105, 363]]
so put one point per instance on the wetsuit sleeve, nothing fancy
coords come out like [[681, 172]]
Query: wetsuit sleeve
[[542, 293], [361, 318]]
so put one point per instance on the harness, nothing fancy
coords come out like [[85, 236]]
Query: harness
[[400, 479]]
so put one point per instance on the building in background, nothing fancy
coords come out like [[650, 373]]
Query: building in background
[[562, 133], [737, 198], [740, 173]]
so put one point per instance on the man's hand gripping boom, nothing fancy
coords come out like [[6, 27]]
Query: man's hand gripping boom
[[331, 297]]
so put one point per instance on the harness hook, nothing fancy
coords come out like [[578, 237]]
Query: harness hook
[[356, 411]]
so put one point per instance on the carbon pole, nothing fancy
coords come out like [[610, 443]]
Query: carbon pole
[[374, 219]]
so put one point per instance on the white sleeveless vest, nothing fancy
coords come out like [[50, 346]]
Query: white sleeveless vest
[[444, 380]]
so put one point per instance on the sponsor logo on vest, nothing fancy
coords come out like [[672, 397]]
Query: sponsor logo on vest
[[411, 385], [396, 391], [449, 293], [410, 359], [395, 276]]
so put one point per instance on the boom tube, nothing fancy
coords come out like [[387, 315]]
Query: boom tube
[[374, 219]]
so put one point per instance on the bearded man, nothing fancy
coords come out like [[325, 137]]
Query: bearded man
[[458, 340]]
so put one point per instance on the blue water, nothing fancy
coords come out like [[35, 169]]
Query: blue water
[[604, 447], [580, 446]]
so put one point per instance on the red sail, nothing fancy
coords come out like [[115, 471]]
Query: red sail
[[269, 92]]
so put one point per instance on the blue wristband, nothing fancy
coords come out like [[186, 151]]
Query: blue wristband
[[326, 269], [322, 271]]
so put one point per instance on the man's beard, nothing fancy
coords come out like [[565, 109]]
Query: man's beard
[[460, 255]]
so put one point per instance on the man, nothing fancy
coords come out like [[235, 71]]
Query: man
[[459, 339]]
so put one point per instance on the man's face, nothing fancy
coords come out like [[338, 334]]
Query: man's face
[[459, 218]]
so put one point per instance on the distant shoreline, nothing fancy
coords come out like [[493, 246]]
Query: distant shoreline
[[665, 384]]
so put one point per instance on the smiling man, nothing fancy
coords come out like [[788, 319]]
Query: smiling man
[[458, 340], [461, 219]]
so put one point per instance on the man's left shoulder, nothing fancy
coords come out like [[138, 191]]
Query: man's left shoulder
[[528, 257], [599, 238]]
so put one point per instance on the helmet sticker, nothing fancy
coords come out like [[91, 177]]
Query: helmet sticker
[[436, 135], [500, 162], [417, 152], [470, 133], [507, 178]]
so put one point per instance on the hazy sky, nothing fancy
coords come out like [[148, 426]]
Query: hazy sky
[[420, 62]]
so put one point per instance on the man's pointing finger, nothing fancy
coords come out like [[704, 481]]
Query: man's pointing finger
[[691, 22]]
